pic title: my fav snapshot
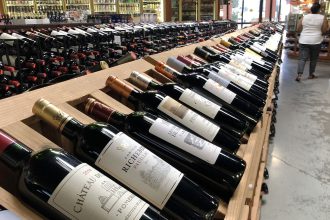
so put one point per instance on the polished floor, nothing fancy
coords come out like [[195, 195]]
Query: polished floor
[[299, 156]]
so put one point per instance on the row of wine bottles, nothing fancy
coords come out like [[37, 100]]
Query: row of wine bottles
[[173, 158], [38, 57]]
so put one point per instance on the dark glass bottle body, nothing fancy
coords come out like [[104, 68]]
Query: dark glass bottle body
[[89, 142], [253, 95], [35, 184], [197, 81], [222, 177], [223, 118]]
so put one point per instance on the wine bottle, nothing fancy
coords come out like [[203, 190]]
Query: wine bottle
[[192, 99], [169, 108], [132, 164], [74, 190], [217, 57], [193, 65], [205, 163], [237, 84], [210, 86]]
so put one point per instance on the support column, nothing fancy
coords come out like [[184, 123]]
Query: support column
[[227, 11]]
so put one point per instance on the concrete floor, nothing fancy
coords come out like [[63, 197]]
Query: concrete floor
[[299, 155]]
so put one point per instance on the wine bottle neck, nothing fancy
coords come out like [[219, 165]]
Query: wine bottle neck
[[142, 81], [72, 129], [105, 113], [64, 123], [123, 88], [13, 153]]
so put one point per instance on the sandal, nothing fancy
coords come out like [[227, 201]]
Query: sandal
[[298, 78], [312, 76]]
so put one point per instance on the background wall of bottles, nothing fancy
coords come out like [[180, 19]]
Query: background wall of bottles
[[192, 10], [41, 8]]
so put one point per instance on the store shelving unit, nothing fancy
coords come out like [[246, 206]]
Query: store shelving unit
[[39, 8], [193, 10], [69, 95], [104, 6]]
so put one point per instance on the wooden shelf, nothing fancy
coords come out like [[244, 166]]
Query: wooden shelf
[[22, 124]]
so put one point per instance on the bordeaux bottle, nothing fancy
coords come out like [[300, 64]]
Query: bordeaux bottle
[[205, 163], [214, 90], [238, 84], [133, 165], [216, 113], [61, 187], [224, 58], [172, 109]]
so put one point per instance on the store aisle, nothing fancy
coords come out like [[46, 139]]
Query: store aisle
[[299, 156]]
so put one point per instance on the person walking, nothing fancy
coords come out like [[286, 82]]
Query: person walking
[[311, 26]]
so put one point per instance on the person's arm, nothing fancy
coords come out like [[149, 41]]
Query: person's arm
[[299, 25], [325, 25]]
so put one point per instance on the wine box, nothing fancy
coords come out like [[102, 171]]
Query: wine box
[[18, 120]]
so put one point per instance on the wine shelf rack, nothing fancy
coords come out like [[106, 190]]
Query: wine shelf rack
[[20, 122]]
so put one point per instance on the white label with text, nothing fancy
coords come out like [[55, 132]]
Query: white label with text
[[200, 103], [140, 169], [87, 194], [189, 118], [219, 91], [185, 140]]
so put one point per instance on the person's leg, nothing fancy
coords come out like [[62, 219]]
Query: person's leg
[[314, 55], [303, 56]]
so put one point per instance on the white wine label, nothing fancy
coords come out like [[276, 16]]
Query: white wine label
[[219, 91], [200, 103], [185, 140], [117, 40], [141, 80], [139, 169], [236, 64], [189, 118], [232, 69], [237, 79], [219, 79], [243, 82], [87, 194]]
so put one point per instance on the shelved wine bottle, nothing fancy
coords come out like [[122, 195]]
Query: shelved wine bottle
[[250, 111], [199, 51], [242, 87], [205, 163], [60, 186], [214, 112], [168, 107], [133, 165]]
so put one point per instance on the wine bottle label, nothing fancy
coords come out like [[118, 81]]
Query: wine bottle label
[[236, 64], [221, 80], [219, 91], [139, 169], [252, 53], [185, 140], [8, 39], [255, 44], [87, 194], [200, 103], [7, 215], [239, 80], [141, 80], [189, 118], [117, 40], [237, 71]]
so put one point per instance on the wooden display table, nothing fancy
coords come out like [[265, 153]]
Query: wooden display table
[[18, 120]]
